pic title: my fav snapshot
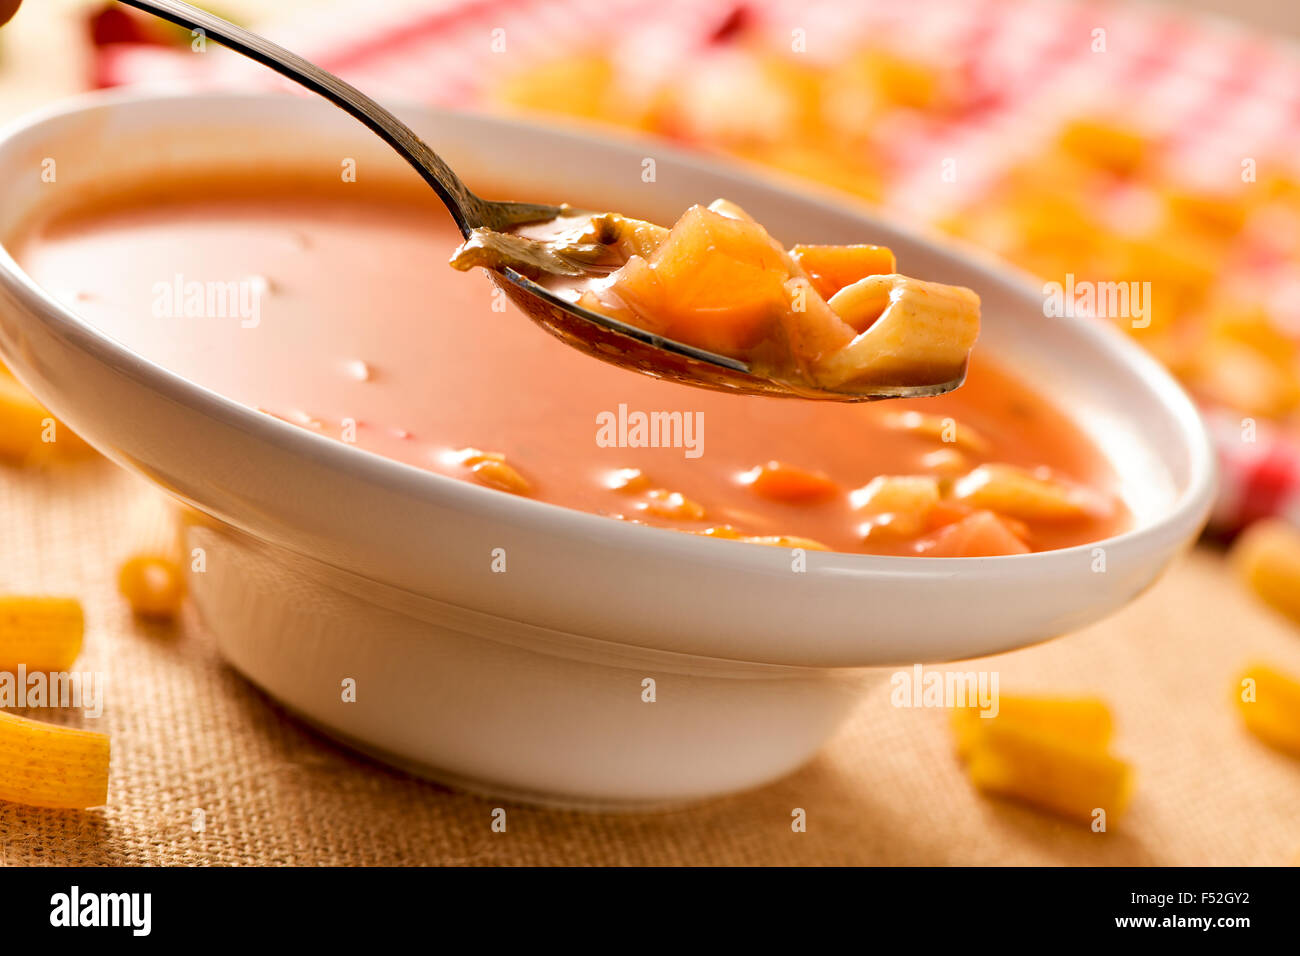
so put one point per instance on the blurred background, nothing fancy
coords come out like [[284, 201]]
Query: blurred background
[[1110, 141]]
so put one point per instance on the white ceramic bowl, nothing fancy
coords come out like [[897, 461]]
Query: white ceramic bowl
[[338, 563]]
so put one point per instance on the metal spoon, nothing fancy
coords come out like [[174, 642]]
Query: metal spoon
[[597, 335]]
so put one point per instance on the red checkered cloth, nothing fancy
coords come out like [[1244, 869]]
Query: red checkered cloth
[[1259, 472], [1215, 93]]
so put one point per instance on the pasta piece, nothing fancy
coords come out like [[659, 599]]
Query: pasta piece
[[923, 336], [1084, 720], [672, 505], [900, 503], [1269, 704], [40, 633], [949, 431], [21, 421], [1021, 493], [25, 425], [861, 303], [905, 80], [1048, 771], [43, 765], [1106, 144], [628, 480], [946, 462], [152, 576], [1267, 558]]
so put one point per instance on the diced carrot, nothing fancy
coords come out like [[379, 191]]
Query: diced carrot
[[781, 482], [980, 535], [831, 268]]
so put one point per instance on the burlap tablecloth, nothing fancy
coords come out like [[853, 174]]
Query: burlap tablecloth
[[189, 733]]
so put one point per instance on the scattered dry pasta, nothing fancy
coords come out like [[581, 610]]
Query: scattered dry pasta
[[1048, 752], [1267, 558], [152, 575], [21, 421], [1084, 720], [43, 765], [29, 434], [40, 633], [1269, 703]]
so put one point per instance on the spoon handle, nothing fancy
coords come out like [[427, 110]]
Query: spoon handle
[[467, 209]]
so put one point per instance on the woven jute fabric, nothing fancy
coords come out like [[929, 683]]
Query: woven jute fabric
[[188, 733]]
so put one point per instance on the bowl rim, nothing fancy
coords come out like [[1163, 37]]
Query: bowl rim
[[1184, 517]]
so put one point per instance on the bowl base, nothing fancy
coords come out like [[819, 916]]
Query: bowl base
[[497, 791]]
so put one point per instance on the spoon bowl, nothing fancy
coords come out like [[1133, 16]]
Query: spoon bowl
[[633, 348], [597, 335]]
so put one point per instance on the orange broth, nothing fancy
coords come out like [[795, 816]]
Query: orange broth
[[344, 311]]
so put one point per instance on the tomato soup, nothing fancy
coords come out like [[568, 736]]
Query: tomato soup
[[332, 307]]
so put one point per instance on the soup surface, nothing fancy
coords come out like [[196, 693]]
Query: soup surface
[[332, 307]]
